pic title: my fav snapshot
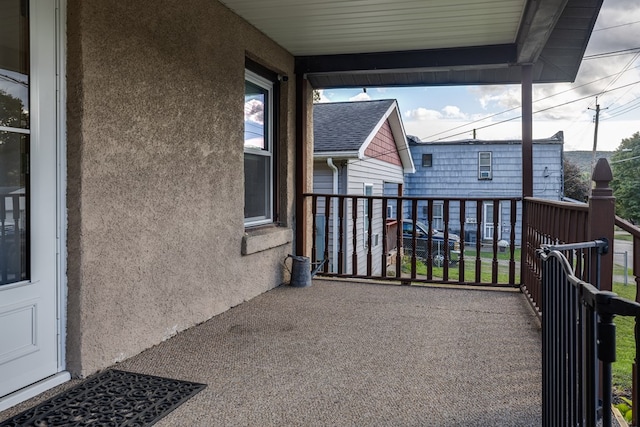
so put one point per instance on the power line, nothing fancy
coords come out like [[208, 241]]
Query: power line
[[515, 108], [540, 111], [616, 26], [612, 53]]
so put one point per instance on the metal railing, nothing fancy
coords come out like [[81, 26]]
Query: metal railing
[[577, 327], [374, 237]]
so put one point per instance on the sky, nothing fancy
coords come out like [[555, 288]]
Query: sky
[[451, 113]]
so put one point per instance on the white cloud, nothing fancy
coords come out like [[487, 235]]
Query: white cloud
[[362, 96], [254, 111], [453, 112], [423, 114]]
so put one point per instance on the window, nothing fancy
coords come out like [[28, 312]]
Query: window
[[484, 165], [258, 150], [427, 160], [438, 222], [15, 135]]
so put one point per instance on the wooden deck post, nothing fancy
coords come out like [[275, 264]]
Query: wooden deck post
[[303, 166], [602, 220]]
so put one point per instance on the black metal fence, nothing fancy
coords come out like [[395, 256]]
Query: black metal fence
[[577, 333]]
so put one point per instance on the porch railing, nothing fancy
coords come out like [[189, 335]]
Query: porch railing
[[577, 326], [551, 223], [13, 238], [465, 240]]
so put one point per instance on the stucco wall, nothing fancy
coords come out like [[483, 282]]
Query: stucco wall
[[155, 172]]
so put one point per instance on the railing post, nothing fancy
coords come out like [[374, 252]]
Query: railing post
[[601, 222]]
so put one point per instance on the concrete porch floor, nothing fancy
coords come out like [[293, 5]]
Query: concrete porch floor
[[355, 354]]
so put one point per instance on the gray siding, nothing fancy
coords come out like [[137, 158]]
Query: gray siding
[[454, 173], [353, 175]]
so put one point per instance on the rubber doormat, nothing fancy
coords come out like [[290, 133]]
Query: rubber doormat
[[111, 398]]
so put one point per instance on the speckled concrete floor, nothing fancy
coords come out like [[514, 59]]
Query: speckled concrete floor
[[354, 354]]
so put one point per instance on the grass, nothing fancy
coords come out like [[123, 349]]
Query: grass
[[469, 268], [625, 343]]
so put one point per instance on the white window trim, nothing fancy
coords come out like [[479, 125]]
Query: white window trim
[[267, 85], [485, 175]]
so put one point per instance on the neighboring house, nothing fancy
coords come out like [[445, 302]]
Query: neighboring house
[[360, 148], [151, 202], [482, 169]]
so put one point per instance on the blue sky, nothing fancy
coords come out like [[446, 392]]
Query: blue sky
[[447, 113]]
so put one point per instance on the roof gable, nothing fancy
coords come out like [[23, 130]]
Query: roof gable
[[345, 126], [345, 129]]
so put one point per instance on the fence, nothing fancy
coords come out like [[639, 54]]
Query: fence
[[417, 239], [577, 327]]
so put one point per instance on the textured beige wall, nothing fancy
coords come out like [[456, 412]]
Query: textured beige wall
[[155, 177]]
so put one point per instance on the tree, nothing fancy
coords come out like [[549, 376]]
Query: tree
[[626, 178], [12, 145], [576, 182]]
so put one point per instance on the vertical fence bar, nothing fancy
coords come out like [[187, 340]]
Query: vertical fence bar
[[327, 216], [341, 215], [512, 243], [369, 235], [463, 220], [399, 241], [354, 235], [496, 232], [445, 243], [478, 240], [314, 228], [385, 245], [414, 240], [429, 248]]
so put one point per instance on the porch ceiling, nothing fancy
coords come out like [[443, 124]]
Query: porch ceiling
[[416, 42]]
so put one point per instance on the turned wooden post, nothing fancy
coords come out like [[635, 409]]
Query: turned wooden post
[[601, 221]]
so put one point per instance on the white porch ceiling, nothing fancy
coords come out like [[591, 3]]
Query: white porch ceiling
[[356, 43], [321, 27]]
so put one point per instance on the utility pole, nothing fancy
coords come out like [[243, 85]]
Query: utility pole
[[595, 134]]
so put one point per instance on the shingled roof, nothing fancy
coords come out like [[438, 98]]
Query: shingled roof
[[345, 126]]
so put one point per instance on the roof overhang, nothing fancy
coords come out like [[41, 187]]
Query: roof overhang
[[359, 43]]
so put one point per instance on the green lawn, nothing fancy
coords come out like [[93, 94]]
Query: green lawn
[[469, 269], [625, 342]]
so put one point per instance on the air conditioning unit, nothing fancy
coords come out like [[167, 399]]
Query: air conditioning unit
[[471, 220], [485, 174]]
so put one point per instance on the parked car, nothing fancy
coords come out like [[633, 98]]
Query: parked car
[[437, 243]]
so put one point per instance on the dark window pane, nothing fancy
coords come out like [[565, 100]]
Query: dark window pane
[[13, 207], [14, 64], [257, 203]]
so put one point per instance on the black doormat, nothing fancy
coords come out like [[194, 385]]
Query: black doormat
[[111, 398]]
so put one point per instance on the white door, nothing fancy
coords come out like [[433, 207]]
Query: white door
[[487, 217], [28, 184]]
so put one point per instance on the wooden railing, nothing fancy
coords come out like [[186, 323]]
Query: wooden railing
[[552, 223], [13, 238], [373, 237]]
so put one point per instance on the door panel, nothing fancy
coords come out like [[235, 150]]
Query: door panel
[[28, 184]]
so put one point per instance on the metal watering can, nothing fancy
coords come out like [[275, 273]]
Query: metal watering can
[[301, 272]]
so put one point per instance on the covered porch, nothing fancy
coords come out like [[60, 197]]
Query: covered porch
[[354, 353]]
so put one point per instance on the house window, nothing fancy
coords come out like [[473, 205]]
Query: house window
[[484, 165], [427, 160], [258, 149], [438, 222]]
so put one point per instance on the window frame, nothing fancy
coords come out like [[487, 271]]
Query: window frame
[[427, 160], [483, 167], [269, 86]]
